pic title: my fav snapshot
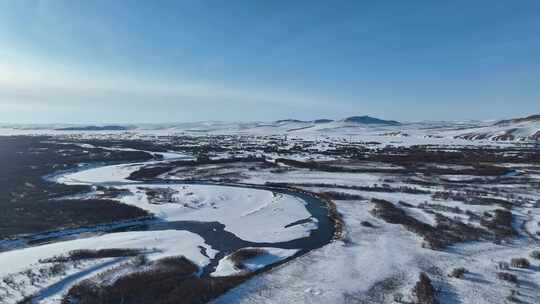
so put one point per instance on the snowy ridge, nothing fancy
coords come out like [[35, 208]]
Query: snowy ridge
[[520, 129], [515, 129]]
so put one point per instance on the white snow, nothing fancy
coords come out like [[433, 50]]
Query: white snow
[[105, 174], [170, 242], [373, 265], [251, 214], [112, 173], [166, 243], [272, 255], [370, 265], [406, 134], [325, 275]]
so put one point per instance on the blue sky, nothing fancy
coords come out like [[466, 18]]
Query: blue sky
[[173, 61]]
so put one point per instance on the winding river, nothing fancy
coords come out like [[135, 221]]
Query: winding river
[[213, 233]]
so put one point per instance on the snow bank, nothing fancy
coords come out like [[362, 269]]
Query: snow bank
[[169, 242], [99, 175], [227, 267]]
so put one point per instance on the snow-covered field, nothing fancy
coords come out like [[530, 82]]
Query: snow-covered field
[[406, 134], [23, 274], [106, 174], [375, 261], [255, 215], [375, 265], [111, 173], [251, 214]]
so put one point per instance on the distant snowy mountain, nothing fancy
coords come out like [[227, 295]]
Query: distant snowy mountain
[[317, 121], [368, 120], [95, 128], [322, 125], [526, 128], [322, 120], [531, 119]]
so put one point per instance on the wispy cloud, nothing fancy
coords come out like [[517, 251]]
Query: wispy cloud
[[38, 88]]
